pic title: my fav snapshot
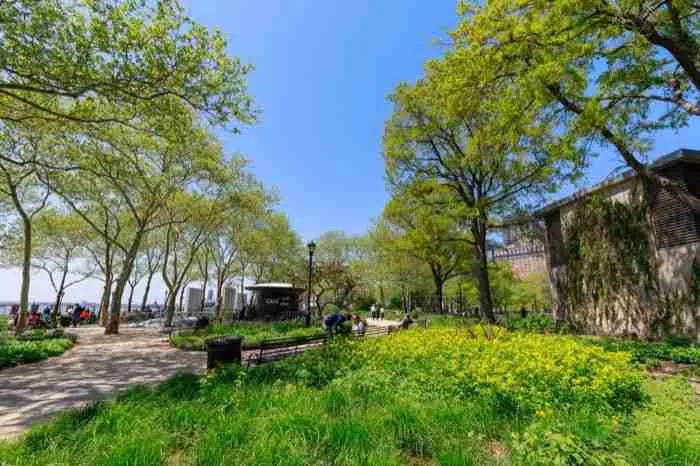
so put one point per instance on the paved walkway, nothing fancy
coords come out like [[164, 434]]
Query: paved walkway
[[96, 368]]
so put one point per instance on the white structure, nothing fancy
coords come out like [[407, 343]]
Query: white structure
[[194, 300], [229, 299]]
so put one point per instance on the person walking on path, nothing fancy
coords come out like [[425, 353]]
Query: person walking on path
[[76, 316]]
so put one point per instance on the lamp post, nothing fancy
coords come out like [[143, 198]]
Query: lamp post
[[312, 247]]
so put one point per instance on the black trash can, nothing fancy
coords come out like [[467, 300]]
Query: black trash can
[[224, 350]]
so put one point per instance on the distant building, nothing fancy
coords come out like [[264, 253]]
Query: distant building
[[673, 305], [274, 301], [523, 249]]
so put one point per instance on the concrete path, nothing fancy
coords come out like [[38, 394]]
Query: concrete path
[[96, 368]]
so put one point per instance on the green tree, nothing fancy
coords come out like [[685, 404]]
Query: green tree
[[482, 150], [104, 62], [59, 251], [425, 232], [277, 251], [396, 270], [333, 279], [619, 69], [128, 178], [23, 193], [192, 220]]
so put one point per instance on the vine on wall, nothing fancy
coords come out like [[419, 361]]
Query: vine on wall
[[610, 280]]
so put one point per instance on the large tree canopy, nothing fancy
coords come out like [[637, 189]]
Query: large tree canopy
[[479, 147], [101, 61], [619, 69]]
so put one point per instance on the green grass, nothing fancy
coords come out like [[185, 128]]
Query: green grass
[[444, 396], [13, 351], [252, 332], [666, 431]]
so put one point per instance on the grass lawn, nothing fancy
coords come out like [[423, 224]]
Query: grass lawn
[[443, 396], [13, 351], [252, 332]]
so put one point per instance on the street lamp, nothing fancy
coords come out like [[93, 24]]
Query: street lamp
[[312, 248]]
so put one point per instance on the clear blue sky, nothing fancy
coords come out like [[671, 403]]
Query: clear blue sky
[[323, 71]]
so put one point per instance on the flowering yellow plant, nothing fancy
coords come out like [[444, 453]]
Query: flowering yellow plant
[[530, 370]]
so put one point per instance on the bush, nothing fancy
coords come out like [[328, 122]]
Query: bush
[[45, 334], [252, 333], [395, 302], [13, 352], [652, 352], [537, 323], [363, 303]]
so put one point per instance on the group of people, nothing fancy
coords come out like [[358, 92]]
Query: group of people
[[333, 322], [376, 312], [73, 315]]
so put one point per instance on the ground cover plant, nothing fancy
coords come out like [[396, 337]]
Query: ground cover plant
[[252, 333], [33, 346], [650, 352], [455, 396]]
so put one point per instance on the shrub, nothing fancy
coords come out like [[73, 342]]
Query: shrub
[[532, 371], [13, 352], [651, 352], [533, 323], [363, 303], [252, 333]]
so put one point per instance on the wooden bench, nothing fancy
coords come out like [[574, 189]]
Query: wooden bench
[[274, 348]]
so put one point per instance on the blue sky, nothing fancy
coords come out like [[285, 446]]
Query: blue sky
[[324, 69], [323, 72]]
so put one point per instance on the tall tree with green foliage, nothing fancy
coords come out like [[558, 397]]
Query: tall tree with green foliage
[[424, 231], [619, 69], [395, 270], [25, 196], [482, 151], [333, 279], [59, 251], [128, 178], [88, 62], [278, 248]]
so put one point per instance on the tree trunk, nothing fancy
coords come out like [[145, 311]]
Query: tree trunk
[[26, 275], [131, 298], [203, 302], [59, 296], [144, 300], [116, 305], [219, 297], [439, 285], [109, 280], [170, 307], [242, 287], [482, 271], [104, 301]]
